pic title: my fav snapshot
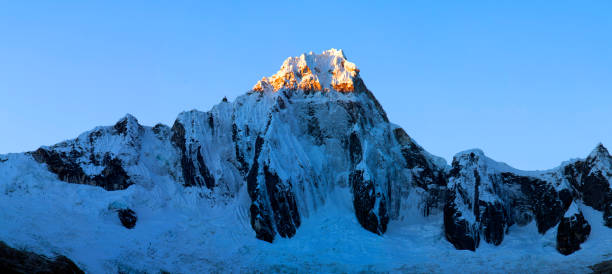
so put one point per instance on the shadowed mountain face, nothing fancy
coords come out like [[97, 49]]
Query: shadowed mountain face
[[18, 261], [313, 128]]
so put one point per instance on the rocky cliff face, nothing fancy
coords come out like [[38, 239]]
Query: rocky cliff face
[[590, 178], [486, 198], [113, 157], [573, 230], [313, 128]]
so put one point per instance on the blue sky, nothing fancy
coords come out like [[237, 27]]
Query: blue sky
[[529, 82]]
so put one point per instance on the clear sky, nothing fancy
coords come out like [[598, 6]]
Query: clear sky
[[529, 82]]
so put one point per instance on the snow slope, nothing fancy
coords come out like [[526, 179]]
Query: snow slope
[[180, 233]]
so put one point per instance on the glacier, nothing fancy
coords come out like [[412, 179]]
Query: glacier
[[303, 173]]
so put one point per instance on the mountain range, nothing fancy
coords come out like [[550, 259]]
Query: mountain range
[[305, 172]]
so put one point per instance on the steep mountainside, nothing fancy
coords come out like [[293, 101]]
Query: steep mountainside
[[310, 128], [291, 148], [486, 197]]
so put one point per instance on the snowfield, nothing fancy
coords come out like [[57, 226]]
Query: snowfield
[[180, 232]]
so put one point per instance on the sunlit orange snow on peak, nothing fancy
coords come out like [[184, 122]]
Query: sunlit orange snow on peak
[[313, 72]]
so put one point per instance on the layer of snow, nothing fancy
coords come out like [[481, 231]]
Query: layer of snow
[[178, 231]]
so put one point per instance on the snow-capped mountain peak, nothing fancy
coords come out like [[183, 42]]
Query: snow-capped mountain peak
[[600, 161], [308, 154], [600, 152], [313, 72], [127, 124]]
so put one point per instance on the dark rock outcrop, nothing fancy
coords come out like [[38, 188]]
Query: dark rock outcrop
[[593, 187], [261, 220], [511, 198], [274, 206], [463, 218], [590, 179], [18, 261], [365, 195], [283, 203], [494, 221], [457, 230], [187, 166], [537, 198], [355, 150], [572, 232], [98, 150], [195, 170], [112, 177], [365, 203], [602, 268], [415, 156], [61, 164], [127, 217]]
